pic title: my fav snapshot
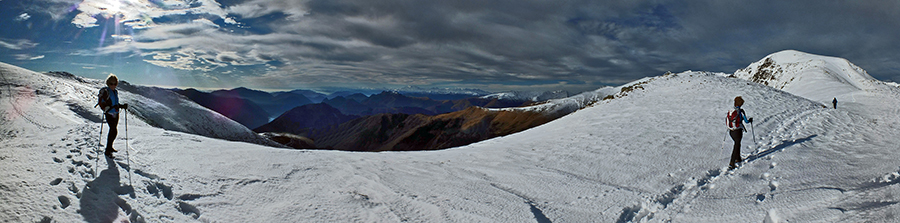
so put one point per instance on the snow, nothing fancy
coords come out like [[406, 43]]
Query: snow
[[73, 99], [652, 154], [563, 106], [434, 90], [819, 78], [536, 96]]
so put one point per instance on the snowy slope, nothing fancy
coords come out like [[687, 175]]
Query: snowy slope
[[653, 153], [819, 78], [75, 96]]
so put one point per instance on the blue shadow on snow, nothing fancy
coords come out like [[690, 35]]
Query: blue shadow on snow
[[779, 147]]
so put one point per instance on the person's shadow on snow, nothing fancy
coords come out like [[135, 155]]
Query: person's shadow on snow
[[100, 200]]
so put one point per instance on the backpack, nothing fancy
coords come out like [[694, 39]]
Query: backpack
[[103, 99], [734, 119]]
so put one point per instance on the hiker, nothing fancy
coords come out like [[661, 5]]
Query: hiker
[[736, 130], [108, 100], [834, 103]]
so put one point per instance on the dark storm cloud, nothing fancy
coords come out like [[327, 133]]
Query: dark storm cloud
[[450, 41], [579, 45], [861, 31]]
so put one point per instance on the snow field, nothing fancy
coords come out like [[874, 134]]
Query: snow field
[[652, 154]]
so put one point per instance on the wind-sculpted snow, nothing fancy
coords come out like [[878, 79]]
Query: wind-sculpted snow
[[653, 151], [157, 107]]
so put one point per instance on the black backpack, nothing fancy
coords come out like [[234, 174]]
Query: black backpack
[[103, 99]]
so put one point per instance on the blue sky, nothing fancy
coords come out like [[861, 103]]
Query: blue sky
[[492, 45]]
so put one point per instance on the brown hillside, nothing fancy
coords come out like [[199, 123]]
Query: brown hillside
[[400, 132]]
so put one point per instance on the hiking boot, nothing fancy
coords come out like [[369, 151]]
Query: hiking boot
[[109, 152]]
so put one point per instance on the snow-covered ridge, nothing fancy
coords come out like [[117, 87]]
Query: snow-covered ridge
[[562, 106], [535, 96], [816, 77], [148, 106], [435, 90]]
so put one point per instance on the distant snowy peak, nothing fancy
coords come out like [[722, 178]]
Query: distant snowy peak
[[536, 96], [816, 77], [421, 90], [559, 107]]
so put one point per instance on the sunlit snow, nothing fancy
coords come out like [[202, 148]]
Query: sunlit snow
[[655, 153]]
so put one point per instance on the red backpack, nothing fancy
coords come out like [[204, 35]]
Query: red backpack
[[734, 119]]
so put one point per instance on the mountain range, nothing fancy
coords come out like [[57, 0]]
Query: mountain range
[[239, 109], [391, 121], [254, 108], [323, 120]]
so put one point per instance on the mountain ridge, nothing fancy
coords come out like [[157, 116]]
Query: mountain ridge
[[816, 77]]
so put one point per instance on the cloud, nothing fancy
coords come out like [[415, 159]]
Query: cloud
[[27, 57], [55, 9], [89, 66], [258, 8], [495, 44], [139, 14], [83, 20], [17, 44], [441, 41], [22, 17]]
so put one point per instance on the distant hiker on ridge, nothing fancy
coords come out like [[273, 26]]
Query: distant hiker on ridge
[[736, 130], [834, 103], [108, 100]]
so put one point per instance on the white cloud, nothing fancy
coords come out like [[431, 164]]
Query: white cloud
[[17, 44], [22, 17], [28, 57], [126, 38], [84, 21], [90, 66], [206, 22], [139, 14]]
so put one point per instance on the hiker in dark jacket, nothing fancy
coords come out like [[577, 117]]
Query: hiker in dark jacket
[[735, 120], [109, 102]]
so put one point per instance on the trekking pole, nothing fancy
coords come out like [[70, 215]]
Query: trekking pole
[[127, 147], [724, 138], [99, 139], [752, 128]]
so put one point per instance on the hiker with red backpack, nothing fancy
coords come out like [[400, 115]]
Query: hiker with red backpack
[[735, 121]]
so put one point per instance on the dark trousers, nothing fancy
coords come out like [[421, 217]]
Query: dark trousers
[[112, 121], [736, 135]]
